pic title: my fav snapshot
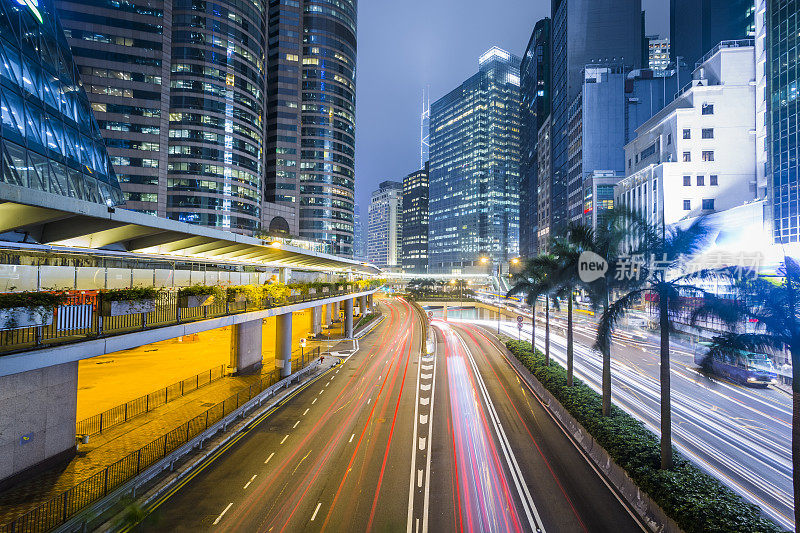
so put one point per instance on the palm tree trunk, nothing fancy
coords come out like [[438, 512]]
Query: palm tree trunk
[[547, 330], [666, 404], [533, 327], [569, 340], [605, 352]]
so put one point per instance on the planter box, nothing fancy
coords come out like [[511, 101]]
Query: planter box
[[127, 307], [25, 317], [195, 301]]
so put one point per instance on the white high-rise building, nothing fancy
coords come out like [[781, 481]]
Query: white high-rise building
[[698, 154], [385, 225]]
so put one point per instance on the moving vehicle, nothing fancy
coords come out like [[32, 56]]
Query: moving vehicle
[[747, 368]]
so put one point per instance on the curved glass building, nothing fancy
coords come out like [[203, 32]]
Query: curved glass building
[[49, 138], [311, 120], [216, 114]]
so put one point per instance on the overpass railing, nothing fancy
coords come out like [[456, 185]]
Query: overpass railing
[[80, 317]]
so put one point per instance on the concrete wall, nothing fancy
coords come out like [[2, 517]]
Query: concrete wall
[[37, 417], [246, 346]]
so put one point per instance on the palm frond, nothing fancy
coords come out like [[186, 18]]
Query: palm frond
[[611, 316]]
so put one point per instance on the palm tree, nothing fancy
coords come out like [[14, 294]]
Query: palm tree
[[534, 281], [661, 277], [775, 307]]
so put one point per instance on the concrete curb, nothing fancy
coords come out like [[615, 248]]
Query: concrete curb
[[87, 519], [639, 502]]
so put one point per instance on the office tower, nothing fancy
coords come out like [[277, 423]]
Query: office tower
[[697, 156], [50, 140], [534, 110], [197, 130], [697, 26], [425, 128], [385, 225], [359, 236], [474, 170], [658, 53], [544, 209], [415, 222], [311, 116], [584, 32], [783, 95]]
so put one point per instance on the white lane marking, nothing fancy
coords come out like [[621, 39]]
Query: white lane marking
[[425, 387], [424, 401], [313, 516], [419, 478], [423, 419], [328, 383], [413, 460], [351, 437], [313, 401], [422, 443], [284, 439], [369, 400], [426, 376], [323, 390], [270, 457], [426, 367], [222, 514], [305, 412], [295, 424], [248, 483]]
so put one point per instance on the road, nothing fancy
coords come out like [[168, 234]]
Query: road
[[739, 434], [395, 439]]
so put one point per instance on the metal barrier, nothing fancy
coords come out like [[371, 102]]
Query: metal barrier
[[119, 414], [59, 509], [80, 318]]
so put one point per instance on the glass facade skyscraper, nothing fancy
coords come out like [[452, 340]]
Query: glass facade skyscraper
[[783, 131], [534, 110], [415, 221], [311, 116], [584, 32], [474, 169], [697, 26], [50, 139]]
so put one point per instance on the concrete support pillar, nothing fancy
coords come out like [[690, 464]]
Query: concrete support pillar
[[348, 318], [370, 301], [246, 347], [325, 313], [444, 312], [337, 307], [284, 275], [332, 313], [283, 344], [363, 305], [316, 319], [37, 420]]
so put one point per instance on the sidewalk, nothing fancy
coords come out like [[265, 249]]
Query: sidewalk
[[117, 442]]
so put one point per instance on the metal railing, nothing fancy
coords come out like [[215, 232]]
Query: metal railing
[[120, 414], [57, 510], [80, 318]]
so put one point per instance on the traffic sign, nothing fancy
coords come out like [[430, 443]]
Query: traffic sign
[[302, 343], [519, 320], [519, 325], [430, 315]]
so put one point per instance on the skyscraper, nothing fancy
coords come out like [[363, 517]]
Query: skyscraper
[[474, 169], [311, 116], [199, 132], [50, 140], [783, 100], [415, 221], [584, 32], [385, 225], [534, 110], [697, 26]]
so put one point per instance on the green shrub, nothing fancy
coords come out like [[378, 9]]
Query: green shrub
[[30, 299], [366, 319], [697, 502], [130, 294], [202, 290]]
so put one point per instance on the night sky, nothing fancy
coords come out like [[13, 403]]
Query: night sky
[[408, 44]]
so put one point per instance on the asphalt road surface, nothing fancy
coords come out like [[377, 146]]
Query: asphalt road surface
[[396, 439]]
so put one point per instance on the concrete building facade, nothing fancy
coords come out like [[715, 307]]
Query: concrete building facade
[[385, 225], [697, 155]]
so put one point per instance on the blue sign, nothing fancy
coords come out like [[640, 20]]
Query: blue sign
[[25, 439]]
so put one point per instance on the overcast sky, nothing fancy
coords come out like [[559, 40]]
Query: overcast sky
[[406, 45]]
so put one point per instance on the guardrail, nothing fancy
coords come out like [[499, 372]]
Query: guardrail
[[80, 318], [60, 508], [94, 425]]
